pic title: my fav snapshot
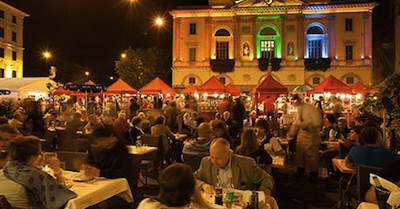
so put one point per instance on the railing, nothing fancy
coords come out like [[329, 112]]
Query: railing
[[222, 65], [322, 64]]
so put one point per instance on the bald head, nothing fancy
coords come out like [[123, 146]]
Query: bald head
[[220, 152]]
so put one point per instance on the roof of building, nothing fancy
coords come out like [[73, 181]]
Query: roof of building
[[3, 4]]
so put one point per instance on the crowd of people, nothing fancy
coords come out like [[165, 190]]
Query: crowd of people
[[237, 146]]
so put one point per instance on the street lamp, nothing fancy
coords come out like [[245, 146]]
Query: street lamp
[[123, 55], [47, 55], [132, 1], [111, 77], [87, 73], [159, 22]]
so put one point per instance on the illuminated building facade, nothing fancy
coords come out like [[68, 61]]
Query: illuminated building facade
[[297, 41], [11, 41]]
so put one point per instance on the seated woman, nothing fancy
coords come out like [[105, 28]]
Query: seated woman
[[26, 186], [249, 147], [177, 190]]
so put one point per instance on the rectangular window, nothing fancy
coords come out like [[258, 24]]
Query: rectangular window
[[192, 80], [316, 80], [267, 49], [2, 52], [14, 74], [2, 71], [14, 36], [192, 54], [222, 50], [350, 80], [1, 32], [14, 19], [14, 55], [2, 14], [192, 28], [349, 52], [349, 24], [314, 49]]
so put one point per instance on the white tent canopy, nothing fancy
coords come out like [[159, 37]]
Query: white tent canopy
[[27, 87]]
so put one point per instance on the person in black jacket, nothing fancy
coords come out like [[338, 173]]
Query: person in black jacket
[[109, 158], [135, 132]]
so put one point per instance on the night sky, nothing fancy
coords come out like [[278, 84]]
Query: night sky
[[90, 34]]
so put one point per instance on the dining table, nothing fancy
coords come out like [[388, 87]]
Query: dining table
[[93, 191]]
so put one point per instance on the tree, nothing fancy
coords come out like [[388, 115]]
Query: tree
[[139, 66]]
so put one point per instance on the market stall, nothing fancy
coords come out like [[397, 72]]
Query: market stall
[[120, 87], [232, 90], [36, 88], [211, 92], [332, 85], [266, 93], [157, 86]]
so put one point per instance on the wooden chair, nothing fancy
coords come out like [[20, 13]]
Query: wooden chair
[[73, 160], [363, 183], [4, 204], [149, 164], [193, 160]]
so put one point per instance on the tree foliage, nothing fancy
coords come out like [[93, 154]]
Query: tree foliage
[[139, 66]]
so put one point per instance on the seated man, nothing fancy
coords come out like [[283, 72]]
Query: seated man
[[108, 157], [201, 144], [371, 153], [230, 169]]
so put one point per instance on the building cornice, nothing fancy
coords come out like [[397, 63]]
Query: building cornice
[[19, 12], [275, 10]]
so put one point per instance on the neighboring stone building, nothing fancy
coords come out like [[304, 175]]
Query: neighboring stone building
[[11, 41], [299, 41]]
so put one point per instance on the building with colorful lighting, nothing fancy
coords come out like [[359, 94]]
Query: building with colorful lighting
[[11, 41], [297, 41]]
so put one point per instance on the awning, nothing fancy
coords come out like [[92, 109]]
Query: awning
[[212, 86], [157, 86], [230, 88], [120, 87], [190, 90], [332, 85]]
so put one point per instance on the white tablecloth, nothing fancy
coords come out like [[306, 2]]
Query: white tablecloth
[[92, 193], [367, 205]]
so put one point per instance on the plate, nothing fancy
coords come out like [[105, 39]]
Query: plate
[[81, 178]]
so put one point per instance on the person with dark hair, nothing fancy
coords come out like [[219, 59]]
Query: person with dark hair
[[7, 134], [250, 147], [219, 129], [159, 129], [177, 190], [371, 153], [24, 185], [135, 131], [108, 157]]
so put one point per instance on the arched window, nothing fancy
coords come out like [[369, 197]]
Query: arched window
[[268, 43], [222, 44], [316, 42], [222, 80], [192, 80], [268, 32], [222, 32], [316, 80]]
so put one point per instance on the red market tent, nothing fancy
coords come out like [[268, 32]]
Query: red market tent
[[120, 87], [332, 85], [212, 86], [190, 90], [230, 88], [89, 82], [360, 88], [61, 91], [156, 86], [269, 88]]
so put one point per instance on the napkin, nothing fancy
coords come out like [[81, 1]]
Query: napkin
[[394, 198]]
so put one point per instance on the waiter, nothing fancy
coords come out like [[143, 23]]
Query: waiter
[[307, 128]]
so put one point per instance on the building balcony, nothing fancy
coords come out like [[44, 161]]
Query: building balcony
[[321, 64], [222, 66], [275, 64]]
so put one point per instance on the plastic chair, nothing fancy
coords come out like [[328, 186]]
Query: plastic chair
[[193, 160]]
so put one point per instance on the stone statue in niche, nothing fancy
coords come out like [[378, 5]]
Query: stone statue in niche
[[290, 49], [246, 50]]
